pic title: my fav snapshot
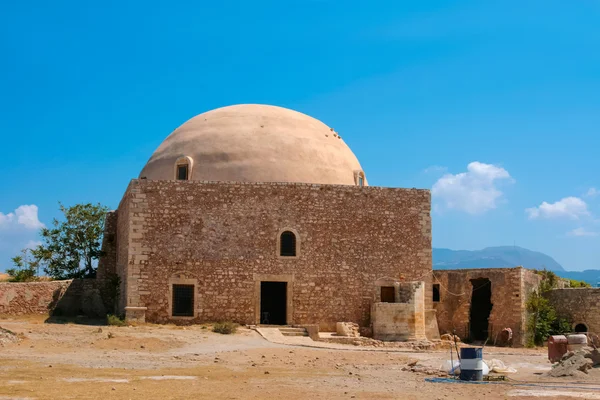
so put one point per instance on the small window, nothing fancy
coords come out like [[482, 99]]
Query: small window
[[287, 245], [388, 294], [436, 292], [361, 180], [183, 300], [182, 172]]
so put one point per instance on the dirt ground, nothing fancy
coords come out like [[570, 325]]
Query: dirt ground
[[77, 361]]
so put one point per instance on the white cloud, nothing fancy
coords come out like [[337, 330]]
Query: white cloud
[[592, 192], [435, 169], [581, 232], [25, 216], [474, 191], [18, 230], [569, 207]]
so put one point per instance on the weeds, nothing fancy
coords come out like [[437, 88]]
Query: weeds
[[225, 328], [115, 320]]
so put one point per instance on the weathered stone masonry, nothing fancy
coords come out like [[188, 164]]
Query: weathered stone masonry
[[578, 306], [510, 288], [222, 237]]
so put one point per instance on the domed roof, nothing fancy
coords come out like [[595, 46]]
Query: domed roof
[[256, 143]]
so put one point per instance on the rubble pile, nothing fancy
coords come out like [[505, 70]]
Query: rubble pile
[[414, 366], [450, 338], [7, 337], [574, 363]]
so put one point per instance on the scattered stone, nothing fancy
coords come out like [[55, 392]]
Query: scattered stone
[[350, 329], [7, 337], [449, 337], [575, 362]]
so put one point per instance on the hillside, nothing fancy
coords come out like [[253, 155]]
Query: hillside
[[493, 257], [508, 256]]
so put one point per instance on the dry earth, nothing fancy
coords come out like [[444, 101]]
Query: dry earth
[[73, 361]]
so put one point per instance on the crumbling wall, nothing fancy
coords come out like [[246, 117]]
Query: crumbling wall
[[578, 306], [64, 298], [122, 249], [222, 237], [510, 287], [404, 320], [108, 259]]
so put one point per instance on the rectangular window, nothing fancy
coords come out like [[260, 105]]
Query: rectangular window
[[182, 172], [388, 294], [361, 181], [436, 292], [183, 300]]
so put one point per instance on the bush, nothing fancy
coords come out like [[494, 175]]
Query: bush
[[575, 283], [114, 320], [225, 328], [543, 320]]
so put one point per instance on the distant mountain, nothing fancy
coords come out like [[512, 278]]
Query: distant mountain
[[591, 276], [508, 256], [494, 257]]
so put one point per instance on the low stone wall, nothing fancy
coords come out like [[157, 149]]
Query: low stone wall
[[64, 298], [403, 320]]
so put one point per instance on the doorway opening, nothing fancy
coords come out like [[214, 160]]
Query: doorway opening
[[481, 307], [581, 328], [273, 303], [388, 294]]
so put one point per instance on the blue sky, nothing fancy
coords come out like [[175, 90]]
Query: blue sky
[[493, 104]]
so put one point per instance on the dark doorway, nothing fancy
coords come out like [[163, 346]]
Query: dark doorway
[[273, 303], [481, 307], [580, 328], [388, 294], [436, 292]]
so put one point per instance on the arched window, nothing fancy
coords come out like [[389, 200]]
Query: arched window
[[359, 178], [183, 168], [287, 244]]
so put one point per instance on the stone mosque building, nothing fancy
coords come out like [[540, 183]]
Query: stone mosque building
[[262, 215]]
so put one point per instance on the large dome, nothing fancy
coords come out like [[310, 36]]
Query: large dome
[[256, 143]]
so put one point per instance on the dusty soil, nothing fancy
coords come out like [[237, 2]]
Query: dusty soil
[[167, 362]]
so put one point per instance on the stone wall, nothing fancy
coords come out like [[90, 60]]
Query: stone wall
[[578, 306], [403, 320], [65, 298], [108, 260], [510, 288], [222, 238]]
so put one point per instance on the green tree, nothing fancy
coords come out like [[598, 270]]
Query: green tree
[[26, 267], [543, 320], [71, 247]]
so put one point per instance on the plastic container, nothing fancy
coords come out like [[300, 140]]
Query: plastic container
[[557, 347], [471, 364], [576, 342]]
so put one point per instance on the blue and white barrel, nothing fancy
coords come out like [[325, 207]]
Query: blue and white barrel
[[471, 364]]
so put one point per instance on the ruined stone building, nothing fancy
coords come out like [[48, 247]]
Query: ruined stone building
[[260, 214], [479, 303]]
